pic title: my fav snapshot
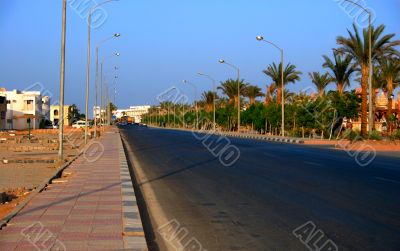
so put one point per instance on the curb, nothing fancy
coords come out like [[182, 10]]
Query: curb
[[133, 232], [262, 138], [39, 189]]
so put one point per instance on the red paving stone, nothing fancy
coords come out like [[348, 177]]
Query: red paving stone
[[90, 200]]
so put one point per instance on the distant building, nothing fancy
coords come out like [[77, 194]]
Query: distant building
[[46, 107], [3, 112], [23, 106], [96, 112], [68, 114], [135, 112]]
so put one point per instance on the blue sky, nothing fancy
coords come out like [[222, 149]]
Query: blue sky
[[164, 42]]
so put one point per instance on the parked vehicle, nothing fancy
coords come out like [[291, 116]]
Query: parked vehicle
[[80, 124]]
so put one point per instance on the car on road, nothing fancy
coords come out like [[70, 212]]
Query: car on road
[[79, 124]]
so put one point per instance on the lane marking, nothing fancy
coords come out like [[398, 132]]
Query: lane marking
[[311, 163], [393, 181]]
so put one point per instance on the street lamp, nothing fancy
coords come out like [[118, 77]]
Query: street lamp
[[88, 64], [62, 81], [371, 116], [116, 35], [195, 101], [261, 38], [101, 79], [238, 87], [214, 95]]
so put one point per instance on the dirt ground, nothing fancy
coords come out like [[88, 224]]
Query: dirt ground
[[25, 164]]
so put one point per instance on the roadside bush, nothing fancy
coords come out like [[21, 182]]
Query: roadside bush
[[395, 135], [352, 135], [375, 135]]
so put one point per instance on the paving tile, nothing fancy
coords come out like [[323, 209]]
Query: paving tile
[[84, 214]]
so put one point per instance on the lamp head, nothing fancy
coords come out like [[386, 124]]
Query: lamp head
[[184, 81], [260, 38], [117, 54], [222, 61], [117, 35]]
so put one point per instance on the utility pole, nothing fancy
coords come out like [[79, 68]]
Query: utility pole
[[62, 81]]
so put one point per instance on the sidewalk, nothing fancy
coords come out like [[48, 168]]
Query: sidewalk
[[93, 208]]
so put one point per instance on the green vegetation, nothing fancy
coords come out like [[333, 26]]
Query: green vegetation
[[320, 114]]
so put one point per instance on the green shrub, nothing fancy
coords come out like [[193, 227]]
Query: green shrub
[[395, 135], [352, 135], [375, 135]]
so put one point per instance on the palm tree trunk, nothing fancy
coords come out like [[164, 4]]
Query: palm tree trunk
[[340, 88], [390, 93], [252, 100], [279, 95], [364, 100]]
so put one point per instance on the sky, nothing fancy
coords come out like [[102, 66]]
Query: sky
[[164, 42]]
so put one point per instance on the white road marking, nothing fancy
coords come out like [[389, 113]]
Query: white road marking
[[312, 163], [393, 181]]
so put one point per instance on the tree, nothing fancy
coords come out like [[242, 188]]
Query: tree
[[290, 75], [269, 94], [230, 89], [389, 74], [358, 47], [208, 99], [252, 92], [341, 70], [320, 81]]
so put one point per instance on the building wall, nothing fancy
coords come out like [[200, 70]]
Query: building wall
[[135, 112], [21, 103], [55, 114], [3, 112]]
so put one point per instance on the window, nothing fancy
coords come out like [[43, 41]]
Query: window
[[28, 105], [55, 112], [3, 115], [8, 101]]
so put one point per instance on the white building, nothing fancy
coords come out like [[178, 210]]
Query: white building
[[23, 106], [46, 107], [135, 112], [96, 112]]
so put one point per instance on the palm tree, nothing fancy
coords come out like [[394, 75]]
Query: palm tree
[[269, 94], [208, 99], [358, 48], [253, 92], [230, 89], [341, 70], [389, 73], [320, 81], [290, 75]]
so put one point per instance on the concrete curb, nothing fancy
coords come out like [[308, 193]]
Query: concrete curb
[[264, 138], [133, 232], [243, 136], [39, 189]]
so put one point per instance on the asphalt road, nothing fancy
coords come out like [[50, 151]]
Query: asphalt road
[[272, 189]]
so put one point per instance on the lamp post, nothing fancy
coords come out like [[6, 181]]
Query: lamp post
[[238, 87], [214, 95], [101, 80], [116, 35], [370, 66], [88, 64], [195, 101], [261, 38], [62, 81]]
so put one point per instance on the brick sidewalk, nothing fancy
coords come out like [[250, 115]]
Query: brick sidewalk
[[93, 208]]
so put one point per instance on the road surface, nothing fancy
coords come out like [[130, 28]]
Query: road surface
[[271, 190]]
